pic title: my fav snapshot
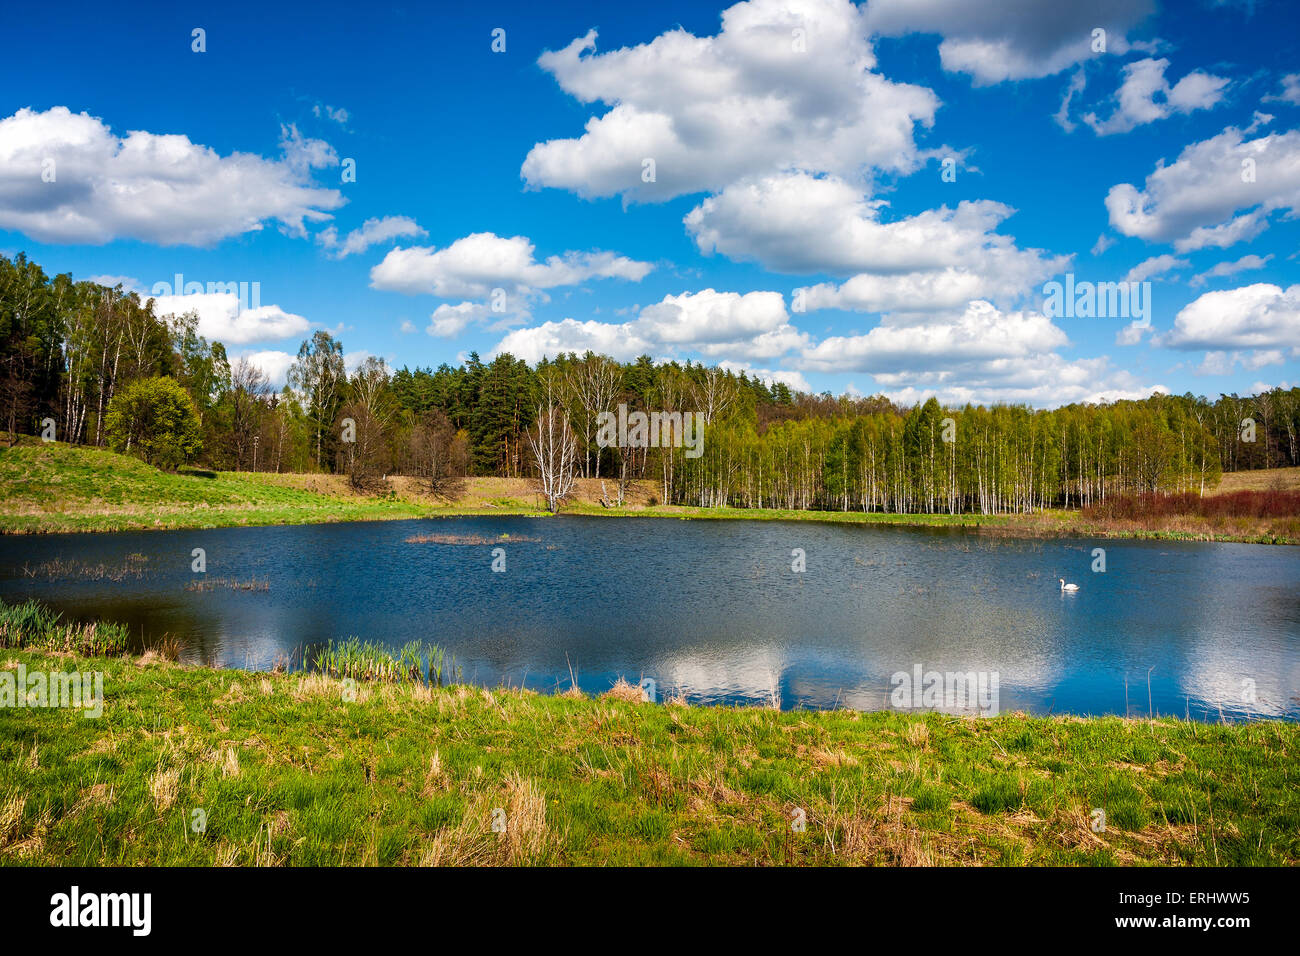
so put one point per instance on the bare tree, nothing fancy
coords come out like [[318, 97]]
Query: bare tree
[[368, 455], [438, 455], [593, 382], [629, 469], [670, 390], [555, 449], [715, 394]]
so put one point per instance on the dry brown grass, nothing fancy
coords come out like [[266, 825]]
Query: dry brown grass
[[825, 757], [622, 690], [1264, 479], [504, 828], [11, 815], [478, 493], [227, 854], [233, 695], [165, 787], [436, 779], [918, 735], [318, 685], [12, 841], [526, 836], [99, 795]]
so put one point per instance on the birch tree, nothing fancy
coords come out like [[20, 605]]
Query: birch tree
[[554, 448]]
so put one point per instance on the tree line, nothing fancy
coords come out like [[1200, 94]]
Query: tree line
[[107, 372]]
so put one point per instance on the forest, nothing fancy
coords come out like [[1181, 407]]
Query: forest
[[92, 365]]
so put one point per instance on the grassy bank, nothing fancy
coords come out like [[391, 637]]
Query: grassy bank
[[287, 771], [51, 487]]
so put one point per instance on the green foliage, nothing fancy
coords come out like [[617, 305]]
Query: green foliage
[[155, 419], [320, 377]]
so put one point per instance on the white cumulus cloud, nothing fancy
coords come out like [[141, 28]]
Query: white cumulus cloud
[[783, 84], [159, 188], [273, 364], [221, 319], [1259, 316], [982, 355], [471, 267], [1218, 192], [371, 233], [1154, 267], [1018, 40], [1146, 96], [1244, 264], [719, 325], [938, 259]]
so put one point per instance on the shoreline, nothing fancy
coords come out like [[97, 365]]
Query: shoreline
[[1034, 526]]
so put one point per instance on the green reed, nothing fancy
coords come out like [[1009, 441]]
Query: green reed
[[34, 626], [413, 663]]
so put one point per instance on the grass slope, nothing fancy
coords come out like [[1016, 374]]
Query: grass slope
[[288, 772], [56, 487]]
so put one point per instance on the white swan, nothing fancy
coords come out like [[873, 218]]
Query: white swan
[[1068, 587]]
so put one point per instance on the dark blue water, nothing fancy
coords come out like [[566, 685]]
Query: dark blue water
[[713, 611]]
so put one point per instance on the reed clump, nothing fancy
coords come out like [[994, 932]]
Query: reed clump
[[234, 584], [34, 626], [415, 662], [475, 539], [57, 569]]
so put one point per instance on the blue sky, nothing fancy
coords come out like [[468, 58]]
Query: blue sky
[[796, 145]]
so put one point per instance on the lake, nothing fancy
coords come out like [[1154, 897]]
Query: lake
[[713, 611]]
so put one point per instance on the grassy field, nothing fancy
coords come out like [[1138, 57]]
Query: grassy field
[[56, 487], [52, 487], [1262, 479], [286, 771]]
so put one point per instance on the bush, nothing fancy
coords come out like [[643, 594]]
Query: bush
[[1235, 504], [154, 418]]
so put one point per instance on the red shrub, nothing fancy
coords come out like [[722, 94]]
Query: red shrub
[[1236, 504]]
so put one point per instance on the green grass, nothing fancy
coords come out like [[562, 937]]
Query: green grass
[[289, 769], [50, 487]]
